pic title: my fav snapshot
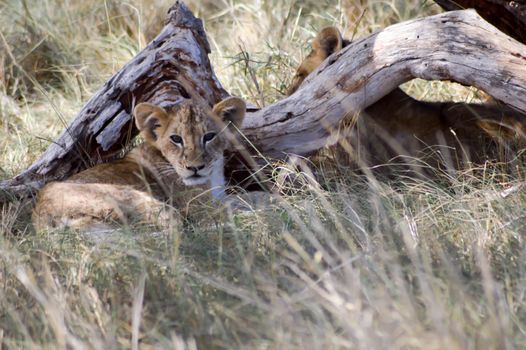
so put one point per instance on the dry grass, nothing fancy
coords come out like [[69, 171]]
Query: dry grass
[[346, 262]]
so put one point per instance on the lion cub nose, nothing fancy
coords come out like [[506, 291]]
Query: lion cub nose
[[195, 169]]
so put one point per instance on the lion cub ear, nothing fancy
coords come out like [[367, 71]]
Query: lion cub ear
[[232, 110], [150, 120], [328, 41]]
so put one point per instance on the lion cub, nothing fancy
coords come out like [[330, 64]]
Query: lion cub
[[422, 135], [183, 145]]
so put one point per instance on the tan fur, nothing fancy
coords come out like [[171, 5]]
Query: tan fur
[[327, 42], [399, 128], [137, 187]]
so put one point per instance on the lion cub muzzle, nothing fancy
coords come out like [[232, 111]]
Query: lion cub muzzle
[[191, 137]]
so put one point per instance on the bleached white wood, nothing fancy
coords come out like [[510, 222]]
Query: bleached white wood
[[458, 46]]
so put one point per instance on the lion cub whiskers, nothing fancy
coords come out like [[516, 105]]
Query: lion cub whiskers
[[190, 139]]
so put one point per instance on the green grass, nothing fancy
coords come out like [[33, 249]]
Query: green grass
[[342, 262]]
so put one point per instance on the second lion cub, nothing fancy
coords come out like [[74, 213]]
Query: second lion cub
[[421, 136], [183, 145]]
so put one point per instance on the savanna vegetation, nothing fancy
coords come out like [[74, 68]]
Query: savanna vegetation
[[341, 259]]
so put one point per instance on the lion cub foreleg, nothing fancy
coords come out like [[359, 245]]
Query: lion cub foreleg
[[78, 205], [217, 180]]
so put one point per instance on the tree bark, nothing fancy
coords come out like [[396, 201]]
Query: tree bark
[[104, 125], [508, 16], [458, 46]]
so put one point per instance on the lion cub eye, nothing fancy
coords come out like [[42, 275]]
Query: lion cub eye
[[209, 137], [178, 140]]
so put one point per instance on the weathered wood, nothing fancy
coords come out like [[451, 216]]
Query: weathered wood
[[103, 126], [458, 46], [508, 16]]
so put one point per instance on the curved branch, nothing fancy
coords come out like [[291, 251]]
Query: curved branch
[[458, 46]]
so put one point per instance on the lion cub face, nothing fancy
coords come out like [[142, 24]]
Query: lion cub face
[[191, 138], [328, 41]]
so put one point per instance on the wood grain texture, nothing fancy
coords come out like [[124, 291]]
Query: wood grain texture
[[458, 46], [104, 125]]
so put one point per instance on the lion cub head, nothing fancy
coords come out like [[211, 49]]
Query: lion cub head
[[191, 137], [328, 41]]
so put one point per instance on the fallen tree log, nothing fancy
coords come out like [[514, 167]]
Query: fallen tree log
[[458, 46], [104, 125]]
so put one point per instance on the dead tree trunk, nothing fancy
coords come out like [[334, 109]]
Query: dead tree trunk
[[458, 46], [103, 126], [508, 16]]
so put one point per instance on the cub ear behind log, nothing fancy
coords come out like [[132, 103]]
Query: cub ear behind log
[[150, 120], [328, 41], [231, 109]]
